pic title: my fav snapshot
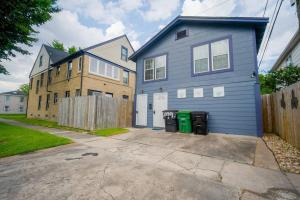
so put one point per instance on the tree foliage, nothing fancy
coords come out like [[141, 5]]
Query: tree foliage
[[18, 20], [72, 49], [58, 45], [275, 80], [24, 88]]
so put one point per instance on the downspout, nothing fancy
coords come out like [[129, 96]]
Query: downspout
[[81, 75]]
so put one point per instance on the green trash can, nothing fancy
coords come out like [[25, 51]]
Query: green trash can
[[184, 121]]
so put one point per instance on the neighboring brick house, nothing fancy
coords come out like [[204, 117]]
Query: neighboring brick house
[[202, 64], [13, 102], [100, 69]]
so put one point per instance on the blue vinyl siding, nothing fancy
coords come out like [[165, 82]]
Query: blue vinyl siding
[[234, 113]]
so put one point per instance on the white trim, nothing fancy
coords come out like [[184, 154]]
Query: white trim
[[154, 68], [149, 70], [228, 57], [220, 90]]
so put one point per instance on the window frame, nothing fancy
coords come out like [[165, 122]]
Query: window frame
[[126, 72], [126, 55], [228, 59], [39, 102], [41, 61], [208, 57], [105, 69], [211, 71], [58, 68], [69, 66], [55, 98], [154, 68], [67, 94], [47, 101]]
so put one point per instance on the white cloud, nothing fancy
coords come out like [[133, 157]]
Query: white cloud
[[160, 9], [208, 7], [65, 27]]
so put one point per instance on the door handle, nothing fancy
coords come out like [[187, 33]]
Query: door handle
[[154, 112]]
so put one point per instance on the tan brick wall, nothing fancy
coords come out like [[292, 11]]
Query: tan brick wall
[[60, 85]]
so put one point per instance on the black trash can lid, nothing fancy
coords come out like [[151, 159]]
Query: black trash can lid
[[199, 113]]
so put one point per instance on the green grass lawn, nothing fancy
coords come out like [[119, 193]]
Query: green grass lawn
[[16, 140], [109, 131], [37, 122]]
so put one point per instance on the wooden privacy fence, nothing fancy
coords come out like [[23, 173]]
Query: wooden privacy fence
[[281, 114], [95, 112]]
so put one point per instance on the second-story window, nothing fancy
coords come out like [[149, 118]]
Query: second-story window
[[99, 67], [215, 59], [125, 77], [69, 70], [42, 79], [41, 61], [21, 99], [50, 76], [57, 70], [155, 68], [7, 98], [79, 68], [124, 53]]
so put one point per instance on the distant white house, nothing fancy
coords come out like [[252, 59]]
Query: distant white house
[[290, 55], [14, 102]]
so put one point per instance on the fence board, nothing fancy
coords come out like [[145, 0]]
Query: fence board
[[95, 112], [280, 117]]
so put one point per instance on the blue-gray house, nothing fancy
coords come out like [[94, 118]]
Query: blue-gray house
[[202, 64]]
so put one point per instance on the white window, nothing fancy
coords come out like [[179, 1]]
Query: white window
[[198, 92], [21, 109], [218, 91], [7, 98], [149, 69], [220, 55], [41, 61], [181, 93], [99, 67], [79, 68], [124, 53], [201, 59], [155, 68], [69, 71], [160, 67]]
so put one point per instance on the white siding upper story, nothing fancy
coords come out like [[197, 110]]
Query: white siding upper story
[[13, 104], [41, 63], [112, 51], [292, 58]]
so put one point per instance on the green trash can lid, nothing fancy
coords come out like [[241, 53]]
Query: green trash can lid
[[184, 112]]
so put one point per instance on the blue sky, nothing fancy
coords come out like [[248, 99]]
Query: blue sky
[[86, 22]]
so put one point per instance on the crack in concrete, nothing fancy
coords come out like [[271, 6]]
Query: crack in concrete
[[102, 183]]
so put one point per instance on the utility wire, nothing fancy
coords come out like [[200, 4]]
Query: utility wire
[[265, 7], [214, 6], [271, 30]]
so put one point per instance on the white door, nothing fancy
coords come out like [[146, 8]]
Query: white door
[[141, 109], [160, 103]]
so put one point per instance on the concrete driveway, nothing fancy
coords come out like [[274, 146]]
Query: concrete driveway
[[146, 164]]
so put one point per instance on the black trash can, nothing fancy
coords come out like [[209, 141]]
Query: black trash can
[[170, 117], [199, 122]]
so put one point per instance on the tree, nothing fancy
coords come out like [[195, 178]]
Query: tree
[[275, 80], [72, 49], [24, 88], [18, 20], [58, 45]]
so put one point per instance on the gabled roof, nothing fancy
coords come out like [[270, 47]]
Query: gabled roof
[[291, 45], [15, 92], [108, 41], [85, 50], [55, 54], [259, 23]]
